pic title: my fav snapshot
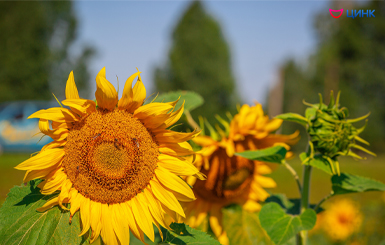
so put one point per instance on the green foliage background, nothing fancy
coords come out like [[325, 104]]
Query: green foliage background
[[199, 61], [35, 50]]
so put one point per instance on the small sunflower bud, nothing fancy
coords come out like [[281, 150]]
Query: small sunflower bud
[[331, 133]]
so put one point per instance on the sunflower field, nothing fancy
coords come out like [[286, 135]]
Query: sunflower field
[[116, 170], [185, 157]]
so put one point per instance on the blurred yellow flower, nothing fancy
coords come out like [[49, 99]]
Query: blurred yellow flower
[[341, 219], [233, 179]]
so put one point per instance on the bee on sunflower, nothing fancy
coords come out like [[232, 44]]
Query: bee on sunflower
[[230, 178], [115, 161]]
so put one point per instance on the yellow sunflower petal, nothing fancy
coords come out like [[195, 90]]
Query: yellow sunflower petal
[[273, 124], [179, 167], [64, 194], [127, 209], [85, 208], [163, 120], [107, 232], [44, 126], [80, 106], [58, 134], [49, 204], [263, 169], [38, 174], [223, 239], [53, 145], [174, 184], [139, 95], [142, 215], [261, 135], [207, 151], [176, 149], [54, 183], [230, 148], [44, 159], [128, 95], [96, 210], [249, 121], [155, 207], [265, 182], [105, 94], [191, 180], [166, 197], [56, 114], [168, 136], [56, 125], [260, 124], [120, 226], [204, 141], [71, 89], [242, 115], [216, 220], [173, 117], [259, 192], [152, 110], [251, 206], [75, 202], [172, 214]]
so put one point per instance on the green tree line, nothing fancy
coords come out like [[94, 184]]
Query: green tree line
[[35, 43]]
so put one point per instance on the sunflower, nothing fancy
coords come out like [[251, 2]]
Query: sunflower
[[116, 161], [233, 179], [341, 219]]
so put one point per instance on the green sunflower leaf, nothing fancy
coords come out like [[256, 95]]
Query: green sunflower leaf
[[20, 223], [243, 227], [275, 154], [182, 234], [349, 183], [192, 99], [318, 162], [280, 226], [293, 117], [291, 206]]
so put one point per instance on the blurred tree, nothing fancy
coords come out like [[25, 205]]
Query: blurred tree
[[199, 60], [350, 57], [35, 50]]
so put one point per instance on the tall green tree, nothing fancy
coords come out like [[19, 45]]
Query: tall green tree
[[199, 60], [350, 57], [35, 43]]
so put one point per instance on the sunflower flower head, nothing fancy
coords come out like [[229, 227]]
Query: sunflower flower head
[[342, 219], [118, 163], [331, 133], [231, 178]]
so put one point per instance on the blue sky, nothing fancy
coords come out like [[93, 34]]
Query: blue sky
[[261, 35]]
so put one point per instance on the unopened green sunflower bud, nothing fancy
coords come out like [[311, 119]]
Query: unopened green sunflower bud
[[331, 133]]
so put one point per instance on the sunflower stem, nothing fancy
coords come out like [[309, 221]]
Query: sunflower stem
[[298, 239], [305, 198], [295, 175], [191, 121]]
